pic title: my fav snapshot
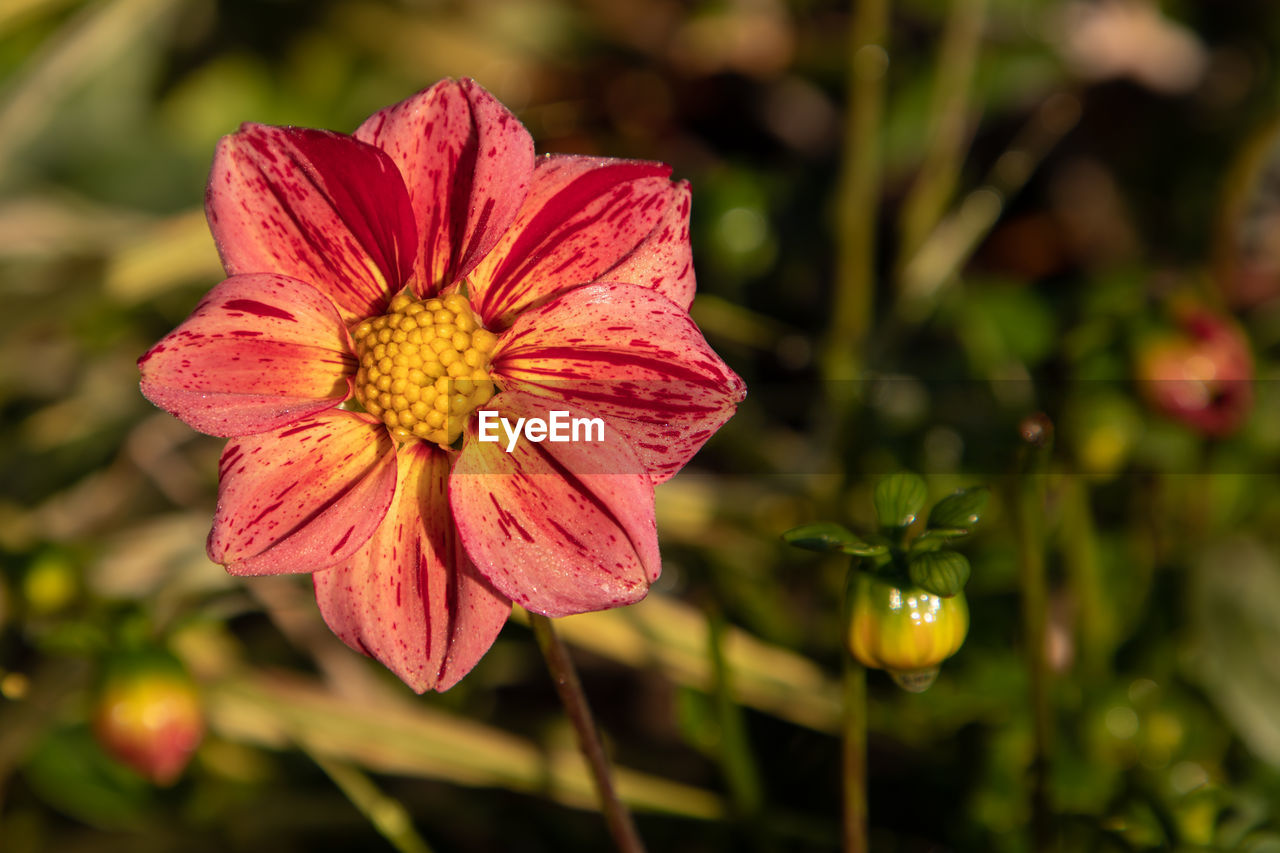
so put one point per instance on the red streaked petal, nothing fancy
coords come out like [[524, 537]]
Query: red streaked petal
[[664, 261], [314, 205], [258, 352], [411, 598], [582, 216], [559, 528], [302, 498], [631, 357], [467, 162]]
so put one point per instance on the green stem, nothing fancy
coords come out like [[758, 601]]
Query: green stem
[[574, 699], [948, 137], [387, 815], [736, 760], [854, 756], [1029, 524], [1079, 543], [859, 190], [945, 249]]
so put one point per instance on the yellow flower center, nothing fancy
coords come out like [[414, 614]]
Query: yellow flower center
[[424, 367]]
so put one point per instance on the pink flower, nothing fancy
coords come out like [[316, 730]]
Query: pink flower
[[419, 271]]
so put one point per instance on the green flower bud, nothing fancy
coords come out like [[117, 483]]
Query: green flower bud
[[50, 583], [903, 629]]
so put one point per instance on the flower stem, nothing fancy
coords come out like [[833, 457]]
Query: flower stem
[[859, 190], [942, 252], [1029, 525], [855, 756], [565, 676], [1097, 629], [736, 760], [949, 116]]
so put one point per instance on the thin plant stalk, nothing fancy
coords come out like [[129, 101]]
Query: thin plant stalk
[[1029, 527], [621, 825], [387, 815], [736, 761], [854, 757], [949, 116], [858, 195], [1079, 543], [943, 251]]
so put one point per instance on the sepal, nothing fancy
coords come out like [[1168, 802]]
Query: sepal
[[962, 509], [898, 499], [943, 573], [827, 537]]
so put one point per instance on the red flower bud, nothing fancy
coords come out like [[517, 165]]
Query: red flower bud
[[148, 716], [1201, 375]]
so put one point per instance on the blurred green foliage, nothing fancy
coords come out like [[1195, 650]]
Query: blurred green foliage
[[1104, 163]]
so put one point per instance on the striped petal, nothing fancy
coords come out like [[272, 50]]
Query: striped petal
[[630, 356], [557, 527], [314, 205], [664, 261], [258, 352], [582, 216], [466, 161], [410, 597], [302, 498]]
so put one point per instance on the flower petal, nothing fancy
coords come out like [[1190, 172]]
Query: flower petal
[[467, 162], [410, 597], [258, 352], [582, 216], [302, 498], [547, 523], [664, 261], [314, 205], [630, 356]]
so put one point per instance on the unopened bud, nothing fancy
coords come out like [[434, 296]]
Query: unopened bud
[[1202, 376], [148, 716], [903, 629]]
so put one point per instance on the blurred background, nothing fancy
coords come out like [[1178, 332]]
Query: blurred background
[[994, 208]]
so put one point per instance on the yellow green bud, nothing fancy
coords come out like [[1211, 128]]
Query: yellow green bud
[[50, 584], [903, 629]]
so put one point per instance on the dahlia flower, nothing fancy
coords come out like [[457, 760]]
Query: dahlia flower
[[393, 297]]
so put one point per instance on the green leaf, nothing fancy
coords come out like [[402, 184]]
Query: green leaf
[[942, 573], [898, 499], [863, 549], [932, 540], [961, 509], [1232, 591], [827, 536], [69, 771], [695, 716]]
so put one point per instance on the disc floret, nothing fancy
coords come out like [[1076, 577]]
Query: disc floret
[[424, 367]]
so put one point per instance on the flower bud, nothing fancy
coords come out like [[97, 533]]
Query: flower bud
[[1202, 375], [50, 584], [903, 629], [148, 716]]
